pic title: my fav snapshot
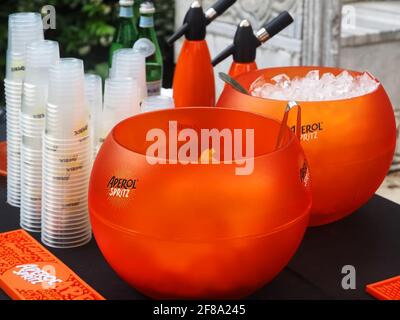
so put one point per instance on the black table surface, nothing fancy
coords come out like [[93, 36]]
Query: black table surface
[[369, 240]]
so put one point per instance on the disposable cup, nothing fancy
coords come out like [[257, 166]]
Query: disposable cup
[[32, 202], [31, 219], [59, 210], [66, 141], [156, 103], [66, 236], [67, 203], [57, 150], [31, 176], [75, 174], [67, 228], [65, 244], [58, 236], [64, 185], [65, 218], [56, 226], [63, 232], [29, 215], [34, 228], [30, 226], [67, 160]]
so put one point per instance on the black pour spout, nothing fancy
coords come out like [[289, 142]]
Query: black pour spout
[[245, 43], [196, 21]]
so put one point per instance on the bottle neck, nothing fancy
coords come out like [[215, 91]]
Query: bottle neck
[[146, 21], [126, 12]]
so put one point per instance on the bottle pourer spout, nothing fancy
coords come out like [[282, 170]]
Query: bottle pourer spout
[[245, 43], [196, 21]]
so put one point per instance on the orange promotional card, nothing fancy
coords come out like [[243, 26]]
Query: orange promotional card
[[28, 271], [385, 290]]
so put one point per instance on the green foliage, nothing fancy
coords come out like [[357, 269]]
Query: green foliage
[[84, 28]]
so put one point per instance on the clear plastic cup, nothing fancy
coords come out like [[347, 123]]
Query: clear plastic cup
[[58, 192], [34, 228], [73, 228], [59, 208], [64, 215], [31, 213], [40, 56], [66, 244], [73, 218], [155, 103], [59, 235], [61, 224], [94, 97], [53, 147], [23, 29], [67, 112], [31, 219], [128, 63], [66, 236]]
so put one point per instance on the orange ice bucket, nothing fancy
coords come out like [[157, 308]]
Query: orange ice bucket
[[196, 230], [349, 143]]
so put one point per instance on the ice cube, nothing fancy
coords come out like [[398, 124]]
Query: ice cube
[[312, 87], [280, 78], [258, 83], [313, 75], [327, 78]]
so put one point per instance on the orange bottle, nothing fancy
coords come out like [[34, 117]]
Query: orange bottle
[[194, 82], [245, 44]]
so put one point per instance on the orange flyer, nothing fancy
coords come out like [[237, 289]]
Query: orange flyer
[[28, 271]]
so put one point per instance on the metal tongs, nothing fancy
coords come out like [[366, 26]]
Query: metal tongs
[[290, 106]]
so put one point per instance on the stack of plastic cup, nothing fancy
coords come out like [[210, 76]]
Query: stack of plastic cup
[[41, 55], [23, 29], [127, 63], [119, 95], [13, 94], [94, 98], [155, 103], [67, 157]]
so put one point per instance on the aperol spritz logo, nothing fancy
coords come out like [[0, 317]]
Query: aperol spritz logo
[[35, 275], [310, 131], [121, 187], [187, 145]]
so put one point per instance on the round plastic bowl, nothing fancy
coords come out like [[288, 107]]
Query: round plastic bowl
[[349, 143], [199, 230]]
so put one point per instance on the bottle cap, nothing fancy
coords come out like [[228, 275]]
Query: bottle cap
[[126, 3], [147, 8], [145, 47]]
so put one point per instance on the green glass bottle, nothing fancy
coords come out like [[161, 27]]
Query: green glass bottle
[[136, 8], [154, 63], [127, 32]]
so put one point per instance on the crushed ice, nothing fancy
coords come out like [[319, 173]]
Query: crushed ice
[[314, 87]]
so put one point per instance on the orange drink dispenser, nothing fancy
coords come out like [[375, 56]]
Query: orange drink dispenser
[[199, 227], [349, 143], [194, 83], [245, 43]]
